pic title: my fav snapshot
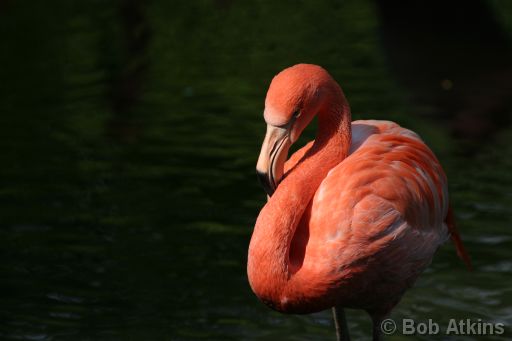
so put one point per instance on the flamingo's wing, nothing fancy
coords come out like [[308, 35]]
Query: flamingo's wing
[[384, 205], [390, 188]]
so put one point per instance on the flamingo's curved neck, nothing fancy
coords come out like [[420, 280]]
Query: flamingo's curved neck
[[268, 265]]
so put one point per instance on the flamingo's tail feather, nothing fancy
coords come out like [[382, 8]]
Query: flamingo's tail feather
[[454, 234]]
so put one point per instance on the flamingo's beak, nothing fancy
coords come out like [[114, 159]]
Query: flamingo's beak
[[274, 152]]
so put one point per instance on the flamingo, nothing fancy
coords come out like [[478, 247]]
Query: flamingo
[[353, 217]]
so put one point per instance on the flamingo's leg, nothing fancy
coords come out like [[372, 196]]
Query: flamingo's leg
[[377, 326], [340, 322]]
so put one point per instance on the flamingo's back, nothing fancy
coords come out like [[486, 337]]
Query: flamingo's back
[[387, 206]]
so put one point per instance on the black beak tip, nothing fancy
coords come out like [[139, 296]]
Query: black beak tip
[[265, 182]]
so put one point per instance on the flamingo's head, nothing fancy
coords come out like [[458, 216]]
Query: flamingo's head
[[294, 97]]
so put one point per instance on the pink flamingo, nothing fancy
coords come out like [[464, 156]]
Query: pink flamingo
[[353, 217]]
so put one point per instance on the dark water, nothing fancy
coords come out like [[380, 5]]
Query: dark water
[[129, 136]]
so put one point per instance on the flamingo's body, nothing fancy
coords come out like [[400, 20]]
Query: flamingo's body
[[356, 214]]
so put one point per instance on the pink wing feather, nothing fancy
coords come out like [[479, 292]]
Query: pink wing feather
[[388, 207]]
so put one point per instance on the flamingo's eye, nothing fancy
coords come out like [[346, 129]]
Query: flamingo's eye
[[291, 121]]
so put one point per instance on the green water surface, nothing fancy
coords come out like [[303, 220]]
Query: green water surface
[[129, 136]]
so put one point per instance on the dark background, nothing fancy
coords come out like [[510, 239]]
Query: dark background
[[129, 135]]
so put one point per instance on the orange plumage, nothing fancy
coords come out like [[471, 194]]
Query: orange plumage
[[354, 216]]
